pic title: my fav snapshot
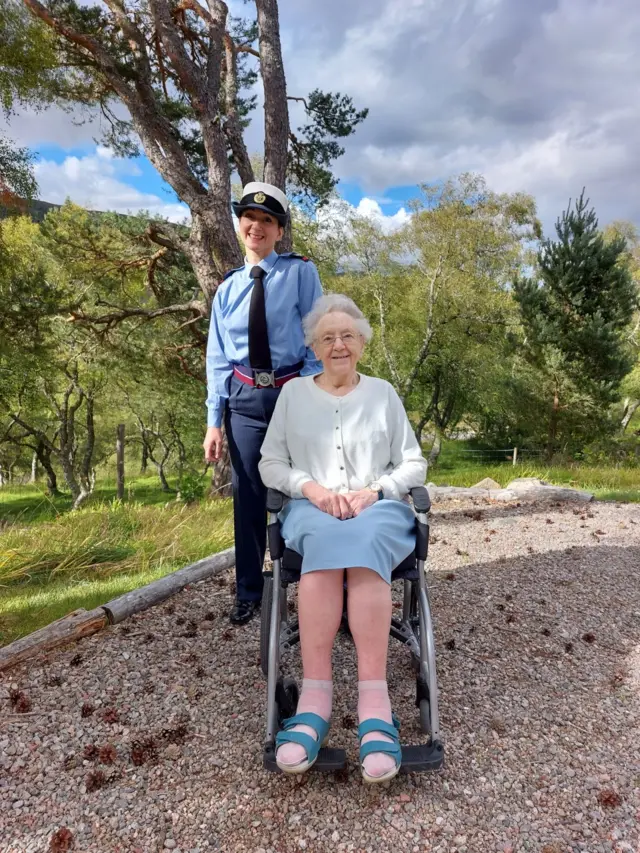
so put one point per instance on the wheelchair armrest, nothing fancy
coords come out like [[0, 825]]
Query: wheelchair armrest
[[275, 500], [421, 499]]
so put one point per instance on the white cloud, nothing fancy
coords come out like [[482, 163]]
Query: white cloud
[[370, 209], [537, 96], [540, 97], [94, 182]]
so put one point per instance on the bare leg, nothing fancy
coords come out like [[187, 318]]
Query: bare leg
[[369, 610], [319, 615]]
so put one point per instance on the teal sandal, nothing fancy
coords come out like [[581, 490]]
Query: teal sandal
[[394, 749], [311, 745]]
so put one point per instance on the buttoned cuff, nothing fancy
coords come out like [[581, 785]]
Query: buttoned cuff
[[214, 417]]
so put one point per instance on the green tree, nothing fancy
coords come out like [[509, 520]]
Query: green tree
[[438, 295], [16, 175], [182, 71], [577, 310]]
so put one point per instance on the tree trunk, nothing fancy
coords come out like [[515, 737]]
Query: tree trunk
[[120, 461], [276, 111], [418, 430], [630, 408], [163, 479], [144, 459], [553, 425], [44, 458], [436, 446], [221, 475], [34, 468]]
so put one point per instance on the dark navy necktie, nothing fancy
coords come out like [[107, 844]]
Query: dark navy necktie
[[259, 352]]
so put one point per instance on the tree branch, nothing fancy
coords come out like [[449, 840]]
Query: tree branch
[[429, 333], [118, 316]]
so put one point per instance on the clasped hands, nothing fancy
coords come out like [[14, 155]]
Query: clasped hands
[[341, 506]]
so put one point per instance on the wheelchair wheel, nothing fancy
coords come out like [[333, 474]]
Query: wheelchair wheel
[[286, 698]]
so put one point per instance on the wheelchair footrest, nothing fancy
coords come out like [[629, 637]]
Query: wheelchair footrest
[[329, 759], [420, 759]]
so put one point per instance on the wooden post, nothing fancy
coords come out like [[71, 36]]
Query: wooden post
[[515, 455], [120, 460]]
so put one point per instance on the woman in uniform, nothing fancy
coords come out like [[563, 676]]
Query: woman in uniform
[[256, 344]]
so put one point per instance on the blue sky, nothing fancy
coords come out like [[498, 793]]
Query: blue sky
[[539, 97]]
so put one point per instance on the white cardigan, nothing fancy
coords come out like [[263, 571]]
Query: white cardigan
[[343, 443]]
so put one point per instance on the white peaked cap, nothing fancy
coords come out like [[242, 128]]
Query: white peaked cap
[[267, 189]]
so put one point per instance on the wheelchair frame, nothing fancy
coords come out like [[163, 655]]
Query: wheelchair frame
[[414, 630]]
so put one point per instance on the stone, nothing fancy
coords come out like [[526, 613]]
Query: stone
[[487, 483], [534, 489]]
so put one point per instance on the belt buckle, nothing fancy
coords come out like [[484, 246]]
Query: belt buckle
[[264, 378]]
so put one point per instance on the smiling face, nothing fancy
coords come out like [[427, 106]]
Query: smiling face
[[260, 232], [338, 344]]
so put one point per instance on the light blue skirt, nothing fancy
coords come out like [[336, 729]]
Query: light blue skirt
[[380, 538]]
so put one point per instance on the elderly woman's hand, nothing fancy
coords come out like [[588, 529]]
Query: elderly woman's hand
[[330, 502], [360, 500]]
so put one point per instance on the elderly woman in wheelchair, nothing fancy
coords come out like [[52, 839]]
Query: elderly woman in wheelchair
[[341, 447]]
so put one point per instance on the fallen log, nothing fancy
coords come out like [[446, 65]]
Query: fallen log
[[157, 591], [83, 623], [74, 626]]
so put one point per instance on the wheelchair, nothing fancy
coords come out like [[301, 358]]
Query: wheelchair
[[278, 634]]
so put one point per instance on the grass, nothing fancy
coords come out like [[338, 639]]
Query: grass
[[455, 468], [86, 558], [28, 504], [53, 561]]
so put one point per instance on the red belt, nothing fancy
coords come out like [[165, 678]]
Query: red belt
[[266, 378]]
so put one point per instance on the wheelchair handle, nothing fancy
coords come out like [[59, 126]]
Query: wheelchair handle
[[275, 500], [421, 499]]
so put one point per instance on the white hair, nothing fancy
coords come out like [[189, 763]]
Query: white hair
[[333, 303]]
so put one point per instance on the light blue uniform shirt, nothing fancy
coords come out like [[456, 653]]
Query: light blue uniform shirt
[[291, 286]]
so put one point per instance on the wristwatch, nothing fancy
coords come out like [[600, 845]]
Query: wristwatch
[[376, 487]]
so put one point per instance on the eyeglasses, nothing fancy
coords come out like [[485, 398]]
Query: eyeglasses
[[348, 338]]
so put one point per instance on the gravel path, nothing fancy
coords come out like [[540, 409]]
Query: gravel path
[[147, 737]]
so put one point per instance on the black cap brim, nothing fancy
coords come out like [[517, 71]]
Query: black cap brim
[[239, 209]]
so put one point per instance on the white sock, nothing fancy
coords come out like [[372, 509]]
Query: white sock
[[373, 702], [316, 698]]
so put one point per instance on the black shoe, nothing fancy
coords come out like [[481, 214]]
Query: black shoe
[[243, 611]]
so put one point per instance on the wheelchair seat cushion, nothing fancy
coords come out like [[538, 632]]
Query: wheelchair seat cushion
[[381, 538]]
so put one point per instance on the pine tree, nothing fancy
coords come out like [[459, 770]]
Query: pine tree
[[577, 311]]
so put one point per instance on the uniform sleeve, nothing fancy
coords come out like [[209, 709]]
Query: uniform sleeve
[[219, 369], [410, 466], [275, 465], [309, 290]]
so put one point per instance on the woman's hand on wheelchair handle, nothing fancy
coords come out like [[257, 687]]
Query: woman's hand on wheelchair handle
[[330, 502], [212, 444]]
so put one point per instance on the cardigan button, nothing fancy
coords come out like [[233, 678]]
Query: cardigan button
[[342, 467]]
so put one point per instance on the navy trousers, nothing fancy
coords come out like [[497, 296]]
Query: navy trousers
[[247, 417]]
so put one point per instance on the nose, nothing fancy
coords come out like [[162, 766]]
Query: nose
[[338, 343]]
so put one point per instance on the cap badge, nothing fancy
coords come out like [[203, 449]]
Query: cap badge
[[259, 198]]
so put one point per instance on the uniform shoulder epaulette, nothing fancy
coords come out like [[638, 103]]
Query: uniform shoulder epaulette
[[295, 255], [228, 274]]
